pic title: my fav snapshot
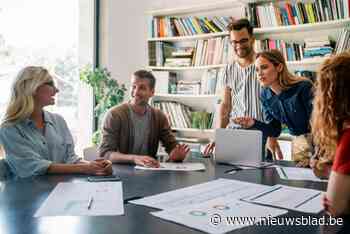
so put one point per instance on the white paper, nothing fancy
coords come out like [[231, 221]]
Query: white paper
[[185, 166], [201, 216], [73, 198], [300, 199], [297, 173], [200, 193]]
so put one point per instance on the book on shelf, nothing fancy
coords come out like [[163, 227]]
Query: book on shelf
[[165, 80], [212, 51], [188, 87], [158, 51], [272, 14], [343, 41], [181, 116], [291, 51], [166, 26], [178, 62]]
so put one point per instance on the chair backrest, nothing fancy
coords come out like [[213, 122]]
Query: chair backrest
[[90, 153]]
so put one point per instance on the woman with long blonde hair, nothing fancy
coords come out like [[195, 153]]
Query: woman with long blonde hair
[[36, 141], [331, 129], [286, 99]]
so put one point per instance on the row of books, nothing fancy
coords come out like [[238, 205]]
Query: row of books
[[206, 52], [317, 47], [158, 51], [343, 41], [294, 13], [179, 115], [187, 26], [212, 51], [291, 51], [209, 84]]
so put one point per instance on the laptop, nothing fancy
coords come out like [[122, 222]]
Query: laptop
[[239, 147]]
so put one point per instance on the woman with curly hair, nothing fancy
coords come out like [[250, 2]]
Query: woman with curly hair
[[331, 129]]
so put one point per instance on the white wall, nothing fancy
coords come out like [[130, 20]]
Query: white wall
[[123, 44]]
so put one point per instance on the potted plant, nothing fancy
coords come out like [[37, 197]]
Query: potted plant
[[107, 93]]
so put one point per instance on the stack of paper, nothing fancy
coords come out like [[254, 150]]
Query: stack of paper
[[219, 215], [300, 199], [79, 199], [297, 173]]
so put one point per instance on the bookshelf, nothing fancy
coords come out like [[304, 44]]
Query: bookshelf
[[236, 9]]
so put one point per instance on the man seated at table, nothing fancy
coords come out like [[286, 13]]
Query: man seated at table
[[131, 131]]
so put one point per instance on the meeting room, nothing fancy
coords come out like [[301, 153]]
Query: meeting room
[[174, 116]]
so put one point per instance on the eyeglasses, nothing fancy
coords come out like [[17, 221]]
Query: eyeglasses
[[50, 83], [241, 42]]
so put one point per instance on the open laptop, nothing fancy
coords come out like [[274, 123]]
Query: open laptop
[[239, 147]]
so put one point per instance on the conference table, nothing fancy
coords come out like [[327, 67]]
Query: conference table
[[20, 198]]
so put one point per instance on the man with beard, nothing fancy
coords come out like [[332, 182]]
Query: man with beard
[[131, 131], [242, 88]]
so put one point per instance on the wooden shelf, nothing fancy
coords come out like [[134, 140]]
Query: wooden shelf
[[205, 67], [292, 64], [196, 8], [186, 95], [334, 24]]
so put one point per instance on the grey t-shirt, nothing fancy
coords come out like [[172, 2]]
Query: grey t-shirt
[[142, 125]]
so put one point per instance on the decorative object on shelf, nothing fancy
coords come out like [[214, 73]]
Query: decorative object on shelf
[[107, 93]]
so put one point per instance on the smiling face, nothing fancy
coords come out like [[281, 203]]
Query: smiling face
[[141, 91], [45, 94], [267, 72], [242, 42]]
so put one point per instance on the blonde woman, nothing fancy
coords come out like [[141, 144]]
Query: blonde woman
[[331, 129], [286, 99], [36, 141]]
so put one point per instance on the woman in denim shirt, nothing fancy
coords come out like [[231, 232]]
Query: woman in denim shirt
[[286, 99], [37, 142]]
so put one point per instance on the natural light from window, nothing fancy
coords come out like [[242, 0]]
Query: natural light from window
[[42, 33]]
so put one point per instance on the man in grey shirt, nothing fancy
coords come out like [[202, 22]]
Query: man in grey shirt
[[132, 131]]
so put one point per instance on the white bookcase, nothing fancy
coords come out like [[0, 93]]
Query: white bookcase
[[295, 33]]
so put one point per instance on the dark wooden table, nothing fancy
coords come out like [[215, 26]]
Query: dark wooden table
[[19, 200]]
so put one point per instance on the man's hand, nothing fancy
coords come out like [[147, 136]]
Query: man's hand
[[274, 147], [145, 161], [245, 122], [179, 153], [209, 149]]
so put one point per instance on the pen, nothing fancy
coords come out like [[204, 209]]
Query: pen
[[90, 202]]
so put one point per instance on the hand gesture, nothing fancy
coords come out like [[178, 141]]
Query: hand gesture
[[274, 147], [209, 149], [179, 153], [245, 122], [145, 161], [99, 167]]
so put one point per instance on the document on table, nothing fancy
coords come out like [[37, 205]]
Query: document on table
[[300, 199], [297, 173], [210, 216], [200, 193], [84, 199], [185, 166]]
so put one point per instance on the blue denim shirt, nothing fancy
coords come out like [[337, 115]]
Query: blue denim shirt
[[30, 153], [292, 107]]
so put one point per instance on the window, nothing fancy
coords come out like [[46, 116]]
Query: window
[[42, 33]]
